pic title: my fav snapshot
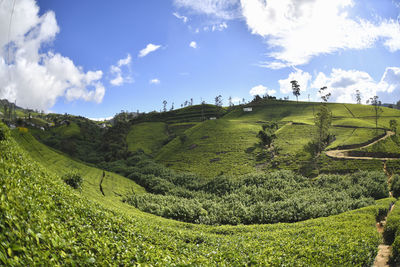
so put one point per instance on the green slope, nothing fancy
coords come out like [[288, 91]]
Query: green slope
[[223, 145], [147, 136], [45, 222], [114, 185], [213, 147]]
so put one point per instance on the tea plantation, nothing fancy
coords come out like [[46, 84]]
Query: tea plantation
[[179, 188], [44, 221]]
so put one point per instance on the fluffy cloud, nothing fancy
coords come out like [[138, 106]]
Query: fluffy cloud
[[303, 78], [258, 90], [148, 49], [302, 29], [154, 81], [342, 84], [221, 9], [193, 44], [116, 71], [33, 78]]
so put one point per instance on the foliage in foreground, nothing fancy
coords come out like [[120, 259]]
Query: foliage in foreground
[[44, 222]]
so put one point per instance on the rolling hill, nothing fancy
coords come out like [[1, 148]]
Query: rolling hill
[[61, 226], [99, 224]]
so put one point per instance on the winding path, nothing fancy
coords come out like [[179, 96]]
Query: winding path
[[342, 153], [384, 251]]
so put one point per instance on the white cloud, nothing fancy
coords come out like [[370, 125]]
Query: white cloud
[[33, 78], [219, 27], [271, 92], [120, 76], [193, 44], [154, 81], [221, 9], [303, 78], [298, 30], [391, 79], [342, 84], [181, 17], [148, 49], [258, 90]]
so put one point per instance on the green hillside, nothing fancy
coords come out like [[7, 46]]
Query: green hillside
[[147, 136], [60, 226], [114, 185], [212, 147], [228, 145]]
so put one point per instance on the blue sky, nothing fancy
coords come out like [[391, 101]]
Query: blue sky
[[95, 58]]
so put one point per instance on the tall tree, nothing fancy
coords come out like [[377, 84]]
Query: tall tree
[[324, 96], [323, 121], [165, 105], [267, 134], [218, 101], [230, 101], [295, 89], [377, 109], [358, 96]]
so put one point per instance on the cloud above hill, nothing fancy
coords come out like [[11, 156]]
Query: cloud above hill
[[343, 84], [121, 76], [33, 78], [295, 31]]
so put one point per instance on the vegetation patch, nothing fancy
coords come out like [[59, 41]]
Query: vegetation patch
[[147, 136], [263, 198]]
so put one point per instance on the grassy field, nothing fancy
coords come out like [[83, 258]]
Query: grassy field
[[219, 146], [148, 136], [114, 185], [60, 226], [389, 145], [68, 130], [180, 128], [353, 136], [213, 147]]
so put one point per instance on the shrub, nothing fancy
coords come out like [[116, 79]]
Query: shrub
[[395, 186], [392, 225], [73, 179], [183, 138]]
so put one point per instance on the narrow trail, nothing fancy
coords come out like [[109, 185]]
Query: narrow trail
[[384, 251], [342, 153]]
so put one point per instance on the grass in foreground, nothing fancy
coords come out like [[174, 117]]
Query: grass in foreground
[[43, 221]]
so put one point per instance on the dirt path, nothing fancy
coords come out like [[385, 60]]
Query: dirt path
[[384, 251], [342, 153]]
